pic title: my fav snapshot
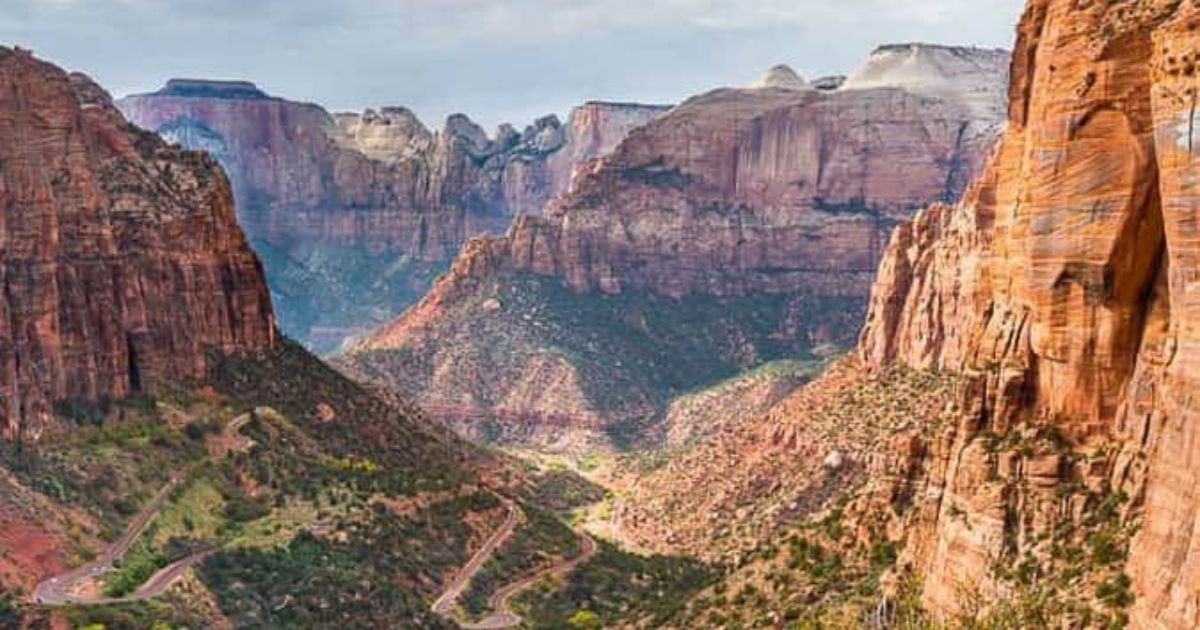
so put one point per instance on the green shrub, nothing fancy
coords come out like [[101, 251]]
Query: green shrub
[[585, 620]]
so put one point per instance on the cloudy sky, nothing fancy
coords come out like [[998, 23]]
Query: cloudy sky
[[496, 60]]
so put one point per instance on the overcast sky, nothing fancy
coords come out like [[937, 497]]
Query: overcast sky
[[496, 60]]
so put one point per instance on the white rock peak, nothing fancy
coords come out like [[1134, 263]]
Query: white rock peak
[[781, 76], [961, 74]]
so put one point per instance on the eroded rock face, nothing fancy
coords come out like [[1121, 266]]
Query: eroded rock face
[[774, 192], [1062, 289], [121, 258], [354, 214]]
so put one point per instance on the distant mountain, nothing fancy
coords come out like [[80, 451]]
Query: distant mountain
[[166, 456], [354, 214], [782, 76], [742, 226]]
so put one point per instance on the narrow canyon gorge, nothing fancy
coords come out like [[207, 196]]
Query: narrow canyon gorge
[[741, 227]]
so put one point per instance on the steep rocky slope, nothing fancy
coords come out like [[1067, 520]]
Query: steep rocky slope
[[1059, 489], [1061, 289], [727, 496], [742, 226], [121, 258], [155, 426], [354, 214]]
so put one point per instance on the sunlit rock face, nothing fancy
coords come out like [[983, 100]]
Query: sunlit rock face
[[1063, 288], [354, 214]]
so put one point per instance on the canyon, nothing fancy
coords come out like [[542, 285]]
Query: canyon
[[908, 348], [1046, 470], [741, 227], [354, 214], [167, 456]]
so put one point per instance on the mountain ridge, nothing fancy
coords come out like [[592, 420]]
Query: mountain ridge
[[749, 218]]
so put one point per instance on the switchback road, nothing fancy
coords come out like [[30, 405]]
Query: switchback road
[[444, 605]]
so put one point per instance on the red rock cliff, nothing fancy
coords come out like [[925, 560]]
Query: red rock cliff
[[355, 213], [781, 193], [766, 189], [121, 258], [1064, 289]]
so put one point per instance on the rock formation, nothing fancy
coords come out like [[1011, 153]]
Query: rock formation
[[121, 257], [1059, 294], [1061, 288], [781, 76], [742, 489], [354, 214], [761, 213]]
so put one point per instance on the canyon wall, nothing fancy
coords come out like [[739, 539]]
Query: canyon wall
[[354, 214], [121, 258], [744, 225], [1063, 290]]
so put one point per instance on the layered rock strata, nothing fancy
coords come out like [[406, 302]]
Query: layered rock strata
[[121, 258], [1062, 290], [354, 214], [778, 193]]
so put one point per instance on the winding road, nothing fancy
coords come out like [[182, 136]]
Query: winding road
[[70, 587], [444, 605], [502, 615], [67, 588]]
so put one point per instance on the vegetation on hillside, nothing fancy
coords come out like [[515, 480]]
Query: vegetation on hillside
[[630, 353], [320, 503], [539, 542], [614, 588]]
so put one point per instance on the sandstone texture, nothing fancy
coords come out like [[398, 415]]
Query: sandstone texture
[[354, 214], [692, 417], [782, 76], [744, 225], [1057, 487], [121, 258], [1062, 289]]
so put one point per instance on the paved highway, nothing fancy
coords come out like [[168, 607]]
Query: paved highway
[[65, 588], [444, 605], [502, 615], [68, 588]]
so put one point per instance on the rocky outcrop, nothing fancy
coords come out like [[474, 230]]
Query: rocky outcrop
[[774, 194], [355, 213], [783, 77], [958, 75], [121, 258], [1062, 290], [593, 131]]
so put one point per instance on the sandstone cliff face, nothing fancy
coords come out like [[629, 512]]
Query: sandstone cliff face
[[121, 258], [355, 213], [779, 192], [1062, 289]]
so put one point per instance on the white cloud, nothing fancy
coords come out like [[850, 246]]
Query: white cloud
[[497, 59]]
